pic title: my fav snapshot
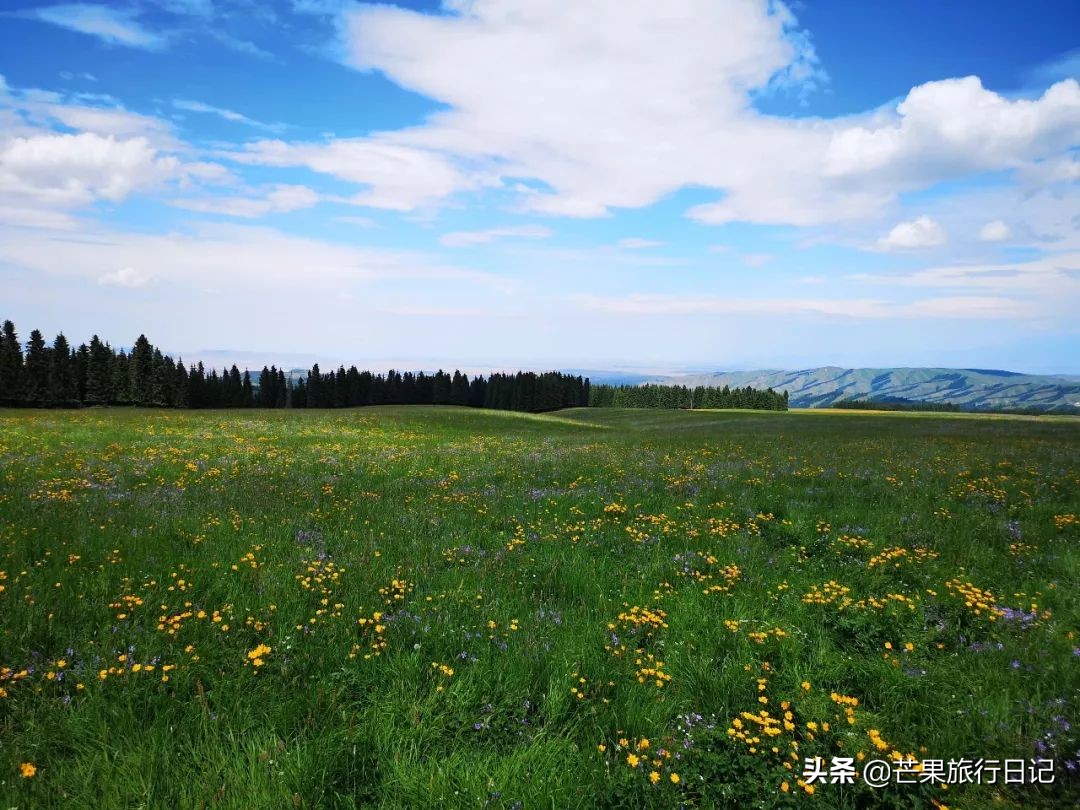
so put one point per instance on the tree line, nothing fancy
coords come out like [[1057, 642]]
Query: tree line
[[58, 375], [897, 404], [42, 375], [681, 396]]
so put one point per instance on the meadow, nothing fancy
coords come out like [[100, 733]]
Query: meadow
[[436, 606]]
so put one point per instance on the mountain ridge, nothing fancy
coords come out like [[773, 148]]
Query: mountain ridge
[[980, 389]]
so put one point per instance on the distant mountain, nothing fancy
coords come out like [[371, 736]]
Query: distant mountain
[[988, 389], [609, 377]]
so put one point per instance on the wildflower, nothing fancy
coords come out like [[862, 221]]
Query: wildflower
[[257, 655], [654, 777], [674, 778], [601, 748], [806, 686], [27, 770], [632, 760]]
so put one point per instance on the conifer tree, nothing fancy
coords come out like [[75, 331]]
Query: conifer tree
[[61, 390], [141, 371], [11, 366], [121, 386], [36, 371], [82, 366]]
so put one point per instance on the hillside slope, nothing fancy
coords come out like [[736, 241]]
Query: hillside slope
[[969, 388]]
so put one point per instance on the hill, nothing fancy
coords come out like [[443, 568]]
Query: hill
[[987, 389]]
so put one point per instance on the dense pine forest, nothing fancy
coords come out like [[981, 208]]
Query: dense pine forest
[[681, 396], [58, 375], [893, 405]]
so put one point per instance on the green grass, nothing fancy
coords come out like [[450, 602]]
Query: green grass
[[506, 547]]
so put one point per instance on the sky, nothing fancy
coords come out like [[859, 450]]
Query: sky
[[675, 186]]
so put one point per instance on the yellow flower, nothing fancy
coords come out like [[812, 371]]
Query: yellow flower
[[654, 777], [256, 655], [674, 778], [27, 770], [601, 748], [806, 686], [643, 743], [888, 645], [632, 760]]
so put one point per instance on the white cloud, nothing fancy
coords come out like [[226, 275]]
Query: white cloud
[[1053, 280], [637, 84], [362, 222], [996, 231], [637, 243], [274, 200], [32, 217], [956, 307], [471, 238], [399, 178], [922, 232], [954, 127], [125, 277], [111, 121], [113, 25], [195, 8], [73, 170], [232, 257], [112, 154], [229, 115], [42, 110], [649, 98]]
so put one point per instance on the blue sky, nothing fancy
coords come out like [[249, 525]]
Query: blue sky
[[698, 184]]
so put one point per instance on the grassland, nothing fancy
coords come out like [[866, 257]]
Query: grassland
[[444, 607]]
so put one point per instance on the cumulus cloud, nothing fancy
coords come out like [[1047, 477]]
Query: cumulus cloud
[[954, 127], [922, 232], [996, 231], [471, 238], [115, 26], [73, 170], [111, 154]]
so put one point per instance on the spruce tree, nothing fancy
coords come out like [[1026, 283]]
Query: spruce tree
[[36, 377], [141, 369], [61, 374], [82, 366], [11, 366], [121, 386]]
